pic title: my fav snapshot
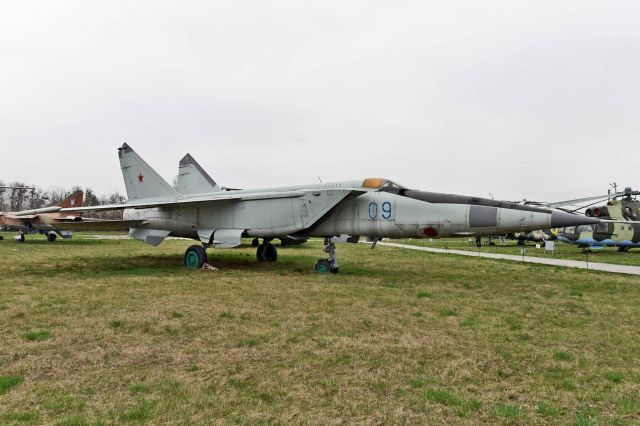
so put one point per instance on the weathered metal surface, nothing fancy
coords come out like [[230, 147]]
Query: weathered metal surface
[[372, 207]]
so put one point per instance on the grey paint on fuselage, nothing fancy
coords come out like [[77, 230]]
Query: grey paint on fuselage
[[375, 208], [373, 213]]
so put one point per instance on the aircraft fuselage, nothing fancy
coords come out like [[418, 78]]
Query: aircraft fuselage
[[372, 213]]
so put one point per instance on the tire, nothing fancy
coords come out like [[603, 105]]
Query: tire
[[261, 253], [255, 242], [51, 237], [195, 257], [323, 266], [21, 239], [266, 253], [272, 253], [1, 238]]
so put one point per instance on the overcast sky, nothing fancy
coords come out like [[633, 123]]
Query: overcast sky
[[521, 99]]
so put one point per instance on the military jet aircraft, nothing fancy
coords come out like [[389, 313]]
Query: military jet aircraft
[[339, 211], [47, 220]]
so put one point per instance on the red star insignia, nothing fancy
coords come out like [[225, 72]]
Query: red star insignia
[[140, 178]]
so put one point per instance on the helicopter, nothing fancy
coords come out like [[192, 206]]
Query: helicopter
[[619, 226]]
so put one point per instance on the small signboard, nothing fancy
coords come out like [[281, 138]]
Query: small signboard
[[550, 246]]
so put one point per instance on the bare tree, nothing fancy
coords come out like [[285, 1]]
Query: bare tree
[[38, 198], [90, 198], [56, 195], [18, 196], [3, 202]]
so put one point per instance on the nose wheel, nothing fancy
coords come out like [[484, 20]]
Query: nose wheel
[[331, 264], [266, 252], [51, 237]]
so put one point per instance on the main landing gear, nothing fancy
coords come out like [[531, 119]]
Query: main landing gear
[[330, 264], [51, 237], [195, 257], [266, 252]]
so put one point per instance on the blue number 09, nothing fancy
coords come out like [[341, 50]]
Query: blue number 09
[[386, 210]]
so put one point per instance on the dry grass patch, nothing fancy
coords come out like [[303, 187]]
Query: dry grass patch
[[396, 337]]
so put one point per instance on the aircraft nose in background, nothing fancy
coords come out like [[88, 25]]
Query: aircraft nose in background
[[562, 219]]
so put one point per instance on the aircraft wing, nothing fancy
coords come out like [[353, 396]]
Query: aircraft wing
[[316, 208], [17, 217], [224, 198], [98, 225]]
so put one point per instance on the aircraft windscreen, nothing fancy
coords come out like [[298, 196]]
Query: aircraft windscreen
[[391, 185], [382, 184]]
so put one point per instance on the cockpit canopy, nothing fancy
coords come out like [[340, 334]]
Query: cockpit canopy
[[382, 184]]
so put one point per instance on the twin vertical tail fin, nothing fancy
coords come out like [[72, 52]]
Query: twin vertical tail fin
[[140, 180], [192, 179]]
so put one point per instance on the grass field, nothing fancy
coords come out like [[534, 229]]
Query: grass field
[[563, 251], [111, 332]]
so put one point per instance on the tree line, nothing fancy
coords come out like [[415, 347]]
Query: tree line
[[16, 196]]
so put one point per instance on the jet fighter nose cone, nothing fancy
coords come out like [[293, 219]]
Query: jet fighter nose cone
[[562, 219]]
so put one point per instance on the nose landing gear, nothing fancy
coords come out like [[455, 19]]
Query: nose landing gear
[[330, 264]]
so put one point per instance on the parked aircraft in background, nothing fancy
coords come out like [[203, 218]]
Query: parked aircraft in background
[[539, 236], [47, 220], [339, 211], [619, 227]]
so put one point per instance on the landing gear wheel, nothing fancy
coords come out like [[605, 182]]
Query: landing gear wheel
[[255, 242], [1, 238], [324, 265], [267, 252], [51, 237], [195, 257], [20, 238], [623, 249]]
